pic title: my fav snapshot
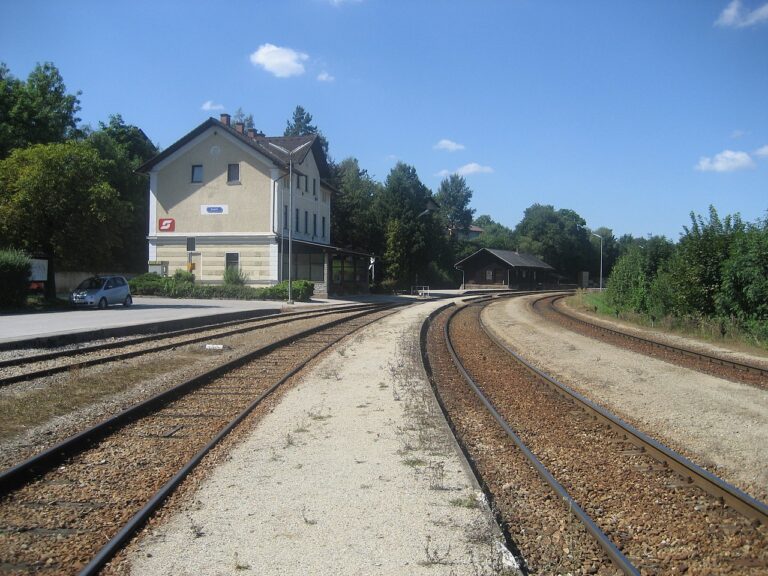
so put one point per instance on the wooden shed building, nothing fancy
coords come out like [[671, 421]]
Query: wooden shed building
[[490, 268]]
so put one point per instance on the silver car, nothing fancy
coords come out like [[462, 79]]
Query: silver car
[[101, 291]]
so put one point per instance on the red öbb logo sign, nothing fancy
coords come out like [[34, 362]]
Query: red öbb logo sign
[[167, 225]]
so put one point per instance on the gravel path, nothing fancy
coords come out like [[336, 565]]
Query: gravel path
[[720, 425], [354, 472]]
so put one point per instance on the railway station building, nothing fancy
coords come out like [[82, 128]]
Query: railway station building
[[490, 268], [220, 197]]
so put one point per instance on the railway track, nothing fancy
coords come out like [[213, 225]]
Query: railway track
[[27, 367], [70, 508], [703, 362], [642, 509]]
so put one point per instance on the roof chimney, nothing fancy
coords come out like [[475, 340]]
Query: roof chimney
[[239, 127], [225, 119], [251, 133]]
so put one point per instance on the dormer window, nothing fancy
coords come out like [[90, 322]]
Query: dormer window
[[197, 173]]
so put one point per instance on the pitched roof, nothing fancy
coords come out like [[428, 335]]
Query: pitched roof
[[514, 259], [259, 143]]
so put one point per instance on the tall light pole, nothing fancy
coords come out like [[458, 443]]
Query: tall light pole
[[601, 259], [290, 154]]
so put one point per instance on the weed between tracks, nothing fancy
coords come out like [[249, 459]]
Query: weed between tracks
[[70, 391], [423, 447]]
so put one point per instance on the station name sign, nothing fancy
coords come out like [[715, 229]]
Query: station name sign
[[214, 209]]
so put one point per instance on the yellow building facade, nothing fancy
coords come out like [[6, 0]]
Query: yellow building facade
[[223, 196]]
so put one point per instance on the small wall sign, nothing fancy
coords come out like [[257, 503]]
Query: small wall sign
[[166, 225], [214, 209]]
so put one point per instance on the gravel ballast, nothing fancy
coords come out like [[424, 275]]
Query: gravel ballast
[[354, 472], [719, 424]]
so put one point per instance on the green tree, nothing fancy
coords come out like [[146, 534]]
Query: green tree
[[494, 235], [56, 199], [701, 251], [413, 236], [628, 284], [125, 148], [300, 124], [453, 196], [743, 292], [352, 221], [246, 119], [37, 111], [559, 237]]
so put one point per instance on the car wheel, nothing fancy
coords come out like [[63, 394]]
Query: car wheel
[[128, 300], [103, 304]]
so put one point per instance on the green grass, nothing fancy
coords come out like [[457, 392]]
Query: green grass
[[716, 330]]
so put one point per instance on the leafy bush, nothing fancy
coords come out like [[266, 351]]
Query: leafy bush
[[184, 276], [15, 267], [150, 284], [178, 286], [235, 277]]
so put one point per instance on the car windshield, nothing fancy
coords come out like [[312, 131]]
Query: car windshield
[[91, 284]]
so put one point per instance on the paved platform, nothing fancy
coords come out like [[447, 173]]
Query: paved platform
[[146, 311], [355, 471], [150, 314]]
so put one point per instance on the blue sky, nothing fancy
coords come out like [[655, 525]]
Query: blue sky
[[632, 113]]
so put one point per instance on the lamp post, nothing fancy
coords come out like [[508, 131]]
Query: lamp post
[[290, 154], [601, 259]]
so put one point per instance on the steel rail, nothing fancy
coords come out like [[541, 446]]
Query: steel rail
[[265, 317], [43, 372], [38, 464], [655, 343], [618, 558], [116, 543], [711, 484]]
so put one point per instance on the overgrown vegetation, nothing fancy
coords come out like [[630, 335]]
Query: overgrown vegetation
[[182, 285], [235, 277], [14, 278], [714, 281]]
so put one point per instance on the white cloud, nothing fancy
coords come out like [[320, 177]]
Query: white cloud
[[282, 62], [735, 16], [738, 134], [473, 168], [762, 151], [325, 77], [448, 145], [209, 106], [726, 161], [466, 170]]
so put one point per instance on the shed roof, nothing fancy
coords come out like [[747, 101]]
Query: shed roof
[[514, 259]]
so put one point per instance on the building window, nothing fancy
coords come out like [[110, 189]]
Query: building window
[[323, 226], [197, 173], [297, 220], [233, 173], [190, 244], [285, 216], [306, 222], [306, 183], [314, 225], [314, 186], [489, 275], [232, 260]]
